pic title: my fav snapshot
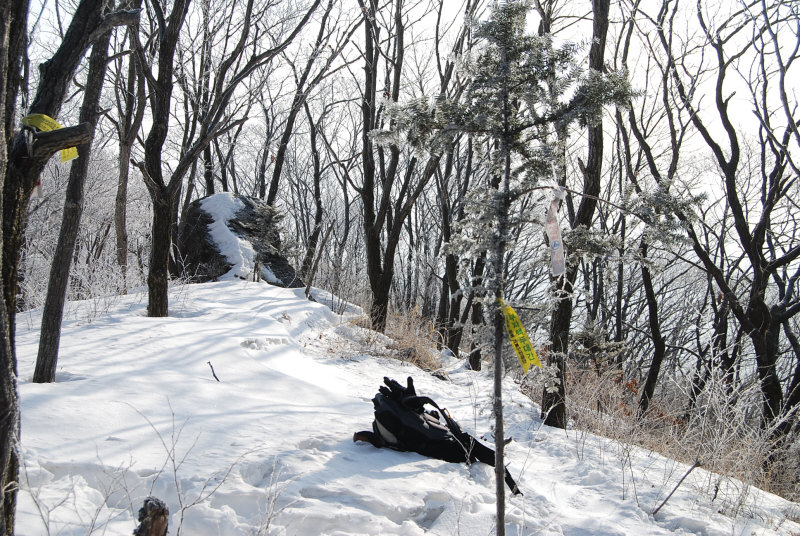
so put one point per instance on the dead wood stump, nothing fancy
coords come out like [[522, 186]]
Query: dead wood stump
[[153, 518]]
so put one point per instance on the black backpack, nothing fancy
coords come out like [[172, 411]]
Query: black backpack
[[402, 423]]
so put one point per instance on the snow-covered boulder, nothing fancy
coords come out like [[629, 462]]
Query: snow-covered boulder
[[227, 236]]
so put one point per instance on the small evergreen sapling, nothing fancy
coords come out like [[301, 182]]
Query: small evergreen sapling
[[522, 88]]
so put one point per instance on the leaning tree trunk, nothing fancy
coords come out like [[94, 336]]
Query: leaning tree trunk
[[659, 345], [53, 312]]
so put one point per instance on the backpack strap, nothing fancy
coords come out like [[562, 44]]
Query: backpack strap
[[474, 449]]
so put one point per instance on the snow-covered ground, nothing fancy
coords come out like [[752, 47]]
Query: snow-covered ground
[[268, 448], [239, 410]]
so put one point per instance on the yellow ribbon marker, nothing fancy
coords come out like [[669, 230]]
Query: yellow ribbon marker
[[519, 338], [45, 123]]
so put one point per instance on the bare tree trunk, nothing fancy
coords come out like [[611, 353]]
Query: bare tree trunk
[[450, 328], [10, 54], [133, 100], [313, 239], [503, 203], [372, 224], [793, 391], [161, 193], [384, 216], [659, 346], [52, 314], [22, 162], [264, 156], [554, 409], [158, 274], [475, 306], [120, 213], [208, 171], [554, 404]]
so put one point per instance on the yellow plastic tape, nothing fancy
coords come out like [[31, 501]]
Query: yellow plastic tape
[[45, 123], [519, 339]]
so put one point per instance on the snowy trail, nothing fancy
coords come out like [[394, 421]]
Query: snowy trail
[[268, 448]]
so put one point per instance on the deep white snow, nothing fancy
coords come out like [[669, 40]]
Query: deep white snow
[[268, 448]]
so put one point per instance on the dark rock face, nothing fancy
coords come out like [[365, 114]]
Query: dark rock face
[[203, 258]]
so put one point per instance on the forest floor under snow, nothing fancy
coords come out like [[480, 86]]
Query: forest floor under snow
[[268, 448]]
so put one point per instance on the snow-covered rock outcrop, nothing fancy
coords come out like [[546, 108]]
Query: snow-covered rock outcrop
[[227, 236]]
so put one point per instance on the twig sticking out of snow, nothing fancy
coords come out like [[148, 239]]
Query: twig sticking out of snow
[[697, 463], [212, 370]]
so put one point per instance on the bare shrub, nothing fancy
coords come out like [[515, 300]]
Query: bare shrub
[[720, 429], [414, 339], [409, 337]]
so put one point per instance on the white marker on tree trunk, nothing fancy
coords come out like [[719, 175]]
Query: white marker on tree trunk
[[557, 252]]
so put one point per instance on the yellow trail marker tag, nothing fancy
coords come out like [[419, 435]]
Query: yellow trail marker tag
[[45, 123], [519, 338]]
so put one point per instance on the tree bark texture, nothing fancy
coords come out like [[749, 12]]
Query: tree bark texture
[[372, 233], [381, 215], [475, 308], [158, 274], [52, 314], [15, 20], [554, 409], [450, 327], [9, 397]]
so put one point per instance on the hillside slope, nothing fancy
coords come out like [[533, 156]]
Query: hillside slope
[[268, 448]]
